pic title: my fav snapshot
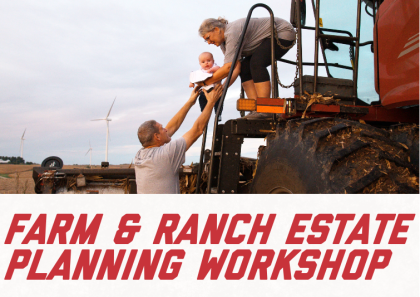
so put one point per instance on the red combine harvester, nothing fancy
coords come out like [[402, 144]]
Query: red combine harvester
[[337, 135]]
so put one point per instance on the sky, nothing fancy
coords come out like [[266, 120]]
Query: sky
[[62, 63]]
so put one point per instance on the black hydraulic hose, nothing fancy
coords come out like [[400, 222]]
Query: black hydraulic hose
[[222, 99], [368, 13]]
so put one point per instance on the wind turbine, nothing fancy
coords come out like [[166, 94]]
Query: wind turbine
[[21, 144], [107, 129], [90, 150]]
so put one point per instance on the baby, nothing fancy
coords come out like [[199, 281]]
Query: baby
[[207, 64], [208, 67]]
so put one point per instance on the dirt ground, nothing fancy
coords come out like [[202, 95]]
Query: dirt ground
[[17, 179]]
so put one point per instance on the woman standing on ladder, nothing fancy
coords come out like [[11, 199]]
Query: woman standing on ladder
[[255, 51]]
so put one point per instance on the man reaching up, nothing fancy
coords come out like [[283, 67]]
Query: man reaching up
[[157, 163]]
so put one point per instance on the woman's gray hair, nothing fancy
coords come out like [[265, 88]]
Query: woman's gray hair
[[146, 132], [208, 25]]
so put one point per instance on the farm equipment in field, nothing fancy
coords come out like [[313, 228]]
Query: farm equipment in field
[[51, 178], [337, 135]]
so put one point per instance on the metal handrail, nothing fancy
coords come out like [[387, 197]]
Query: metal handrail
[[200, 164], [356, 54], [329, 30], [235, 59]]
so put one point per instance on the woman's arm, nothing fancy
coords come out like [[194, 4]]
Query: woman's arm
[[235, 73], [220, 74]]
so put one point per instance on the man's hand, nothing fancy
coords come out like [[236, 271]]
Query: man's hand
[[200, 124], [177, 120], [194, 95], [213, 96]]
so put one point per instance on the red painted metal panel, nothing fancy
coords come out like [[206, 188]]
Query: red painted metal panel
[[270, 101], [398, 52], [381, 114], [376, 114], [325, 108]]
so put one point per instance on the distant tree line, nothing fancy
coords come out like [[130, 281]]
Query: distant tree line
[[15, 160]]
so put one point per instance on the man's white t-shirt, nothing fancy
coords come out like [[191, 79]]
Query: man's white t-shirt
[[157, 168]]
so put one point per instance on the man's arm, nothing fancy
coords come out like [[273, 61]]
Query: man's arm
[[201, 122], [177, 120]]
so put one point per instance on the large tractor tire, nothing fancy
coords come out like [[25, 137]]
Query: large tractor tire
[[327, 155], [408, 135]]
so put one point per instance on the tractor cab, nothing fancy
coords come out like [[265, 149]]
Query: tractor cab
[[369, 50], [344, 39], [369, 59]]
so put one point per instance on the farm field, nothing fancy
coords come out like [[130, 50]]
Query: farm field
[[17, 179]]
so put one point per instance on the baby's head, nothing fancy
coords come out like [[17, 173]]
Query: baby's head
[[206, 60]]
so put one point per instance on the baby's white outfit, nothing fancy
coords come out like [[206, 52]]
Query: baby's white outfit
[[201, 75]]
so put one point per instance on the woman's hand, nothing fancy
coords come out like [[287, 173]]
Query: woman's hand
[[223, 72], [213, 69], [220, 74]]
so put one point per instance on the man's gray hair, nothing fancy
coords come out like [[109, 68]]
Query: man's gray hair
[[208, 25], [146, 132]]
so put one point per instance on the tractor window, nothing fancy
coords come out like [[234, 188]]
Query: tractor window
[[342, 15]]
